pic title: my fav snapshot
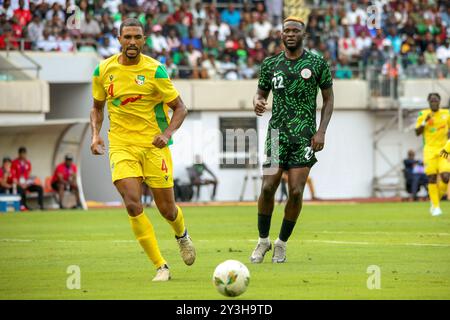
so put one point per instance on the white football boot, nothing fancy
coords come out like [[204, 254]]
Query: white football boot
[[187, 249], [162, 274], [261, 249], [436, 212], [279, 251]]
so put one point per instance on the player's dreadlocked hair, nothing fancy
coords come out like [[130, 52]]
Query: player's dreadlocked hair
[[130, 22], [295, 19]]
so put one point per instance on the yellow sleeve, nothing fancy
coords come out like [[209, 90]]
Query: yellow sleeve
[[164, 85], [447, 146], [420, 119], [98, 91]]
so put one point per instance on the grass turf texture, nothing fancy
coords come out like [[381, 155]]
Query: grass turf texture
[[328, 254]]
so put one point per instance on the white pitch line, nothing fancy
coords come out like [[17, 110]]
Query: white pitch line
[[364, 243], [443, 234]]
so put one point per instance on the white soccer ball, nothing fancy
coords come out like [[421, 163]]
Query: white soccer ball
[[231, 278]]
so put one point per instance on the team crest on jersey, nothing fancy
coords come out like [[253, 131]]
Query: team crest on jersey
[[140, 80], [306, 73]]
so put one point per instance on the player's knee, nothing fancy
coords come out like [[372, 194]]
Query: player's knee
[[268, 190], [296, 194], [134, 208], [168, 211], [445, 177], [432, 178]]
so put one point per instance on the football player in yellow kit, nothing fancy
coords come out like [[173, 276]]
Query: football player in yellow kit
[[434, 124], [138, 93]]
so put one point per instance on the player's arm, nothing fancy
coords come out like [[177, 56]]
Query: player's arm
[[262, 93], [318, 140], [97, 115], [260, 101], [178, 116], [421, 122]]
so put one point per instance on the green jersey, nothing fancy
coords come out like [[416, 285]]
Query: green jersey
[[294, 85]]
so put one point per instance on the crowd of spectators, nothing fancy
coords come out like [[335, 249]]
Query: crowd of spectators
[[197, 39]]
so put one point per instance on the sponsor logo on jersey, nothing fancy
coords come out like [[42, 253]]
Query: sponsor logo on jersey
[[111, 77]]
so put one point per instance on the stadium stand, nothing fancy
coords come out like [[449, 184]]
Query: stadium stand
[[239, 35]]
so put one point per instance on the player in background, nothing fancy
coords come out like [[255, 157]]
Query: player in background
[[434, 124], [294, 76], [139, 93]]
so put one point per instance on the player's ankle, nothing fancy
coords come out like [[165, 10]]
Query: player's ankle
[[264, 240], [280, 242]]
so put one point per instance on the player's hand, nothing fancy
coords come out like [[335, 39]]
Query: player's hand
[[260, 106], [318, 141], [160, 141], [97, 146], [444, 154]]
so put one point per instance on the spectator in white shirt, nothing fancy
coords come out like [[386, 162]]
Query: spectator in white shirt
[[159, 42], [262, 28], [106, 50], [47, 42], [198, 12], [64, 42], [7, 9], [229, 69], [35, 29], [210, 67], [90, 27], [355, 12], [443, 51], [193, 55], [363, 42]]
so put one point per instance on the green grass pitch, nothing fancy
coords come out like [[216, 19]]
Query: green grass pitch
[[328, 254]]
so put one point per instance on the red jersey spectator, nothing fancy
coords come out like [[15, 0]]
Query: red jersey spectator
[[6, 176], [8, 182], [65, 178], [182, 15], [21, 167], [23, 15]]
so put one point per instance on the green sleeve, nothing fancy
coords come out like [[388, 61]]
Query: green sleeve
[[325, 80], [264, 77]]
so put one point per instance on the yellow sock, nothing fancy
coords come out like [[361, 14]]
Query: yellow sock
[[178, 224], [442, 188], [433, 191], [143, 230]]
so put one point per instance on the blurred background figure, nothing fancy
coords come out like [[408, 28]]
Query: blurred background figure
[[21, 168], [195, 175], [414, 174], [65, 179]]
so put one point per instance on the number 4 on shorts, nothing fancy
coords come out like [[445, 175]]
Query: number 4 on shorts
[[164, 166]]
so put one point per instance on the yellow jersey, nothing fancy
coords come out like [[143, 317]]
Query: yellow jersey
[[136, 97], [435, 133]]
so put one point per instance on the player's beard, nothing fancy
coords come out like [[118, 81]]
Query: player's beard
[[292, 48]]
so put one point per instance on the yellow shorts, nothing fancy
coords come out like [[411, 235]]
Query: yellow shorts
[[154, 165], [434, 163]]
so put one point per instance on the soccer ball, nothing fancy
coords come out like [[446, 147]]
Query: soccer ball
[[231, 278]]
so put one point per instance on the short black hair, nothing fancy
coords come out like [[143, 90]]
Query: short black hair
[[22, 150], [433, 94], [130, 22], [6, 159]]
